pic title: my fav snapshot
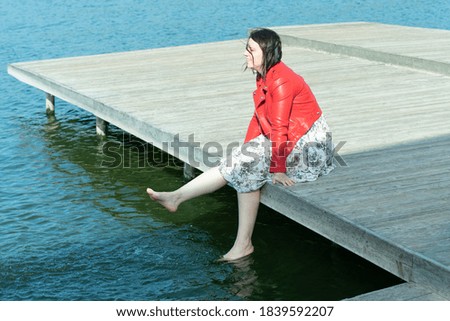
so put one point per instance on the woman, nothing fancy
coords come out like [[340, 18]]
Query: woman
[[287, 141]]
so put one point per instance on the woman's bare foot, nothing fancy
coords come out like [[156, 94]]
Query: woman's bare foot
[[169, 200], [238, 252]]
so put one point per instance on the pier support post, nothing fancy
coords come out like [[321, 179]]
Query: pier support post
[[188, 171], [101, 126], [49, 104]]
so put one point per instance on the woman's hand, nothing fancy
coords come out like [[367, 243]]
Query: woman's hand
[[283, 179]]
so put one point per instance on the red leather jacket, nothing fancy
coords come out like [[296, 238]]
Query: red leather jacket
[[285, 109]]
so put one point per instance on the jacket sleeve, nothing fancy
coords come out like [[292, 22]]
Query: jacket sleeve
[[282, 92]]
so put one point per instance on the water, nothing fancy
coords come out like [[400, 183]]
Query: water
[[71, 229]]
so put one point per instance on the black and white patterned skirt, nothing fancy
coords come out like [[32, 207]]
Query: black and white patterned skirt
[[247, 168]]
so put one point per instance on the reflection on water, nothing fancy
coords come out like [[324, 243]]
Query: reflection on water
[[243, 280]]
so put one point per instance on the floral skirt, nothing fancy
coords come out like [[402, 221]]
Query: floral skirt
[[247, 168]]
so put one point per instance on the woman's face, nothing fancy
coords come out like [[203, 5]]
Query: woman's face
[[254, 55]]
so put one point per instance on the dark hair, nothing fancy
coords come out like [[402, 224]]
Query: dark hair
[[270, 44]]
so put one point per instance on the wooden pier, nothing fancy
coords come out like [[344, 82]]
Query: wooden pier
[[385, 91]]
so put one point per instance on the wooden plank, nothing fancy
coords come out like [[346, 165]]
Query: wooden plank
[[401, 292], [406, 46]]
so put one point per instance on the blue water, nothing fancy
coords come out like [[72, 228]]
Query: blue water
[[73, 230]]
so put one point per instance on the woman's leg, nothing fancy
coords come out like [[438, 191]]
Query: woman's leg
[[248, 204], [205, 183]]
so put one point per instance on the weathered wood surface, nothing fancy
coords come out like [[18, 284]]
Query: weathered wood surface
[[401, 292], [156, 94], [413, 47], [388, 204]]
